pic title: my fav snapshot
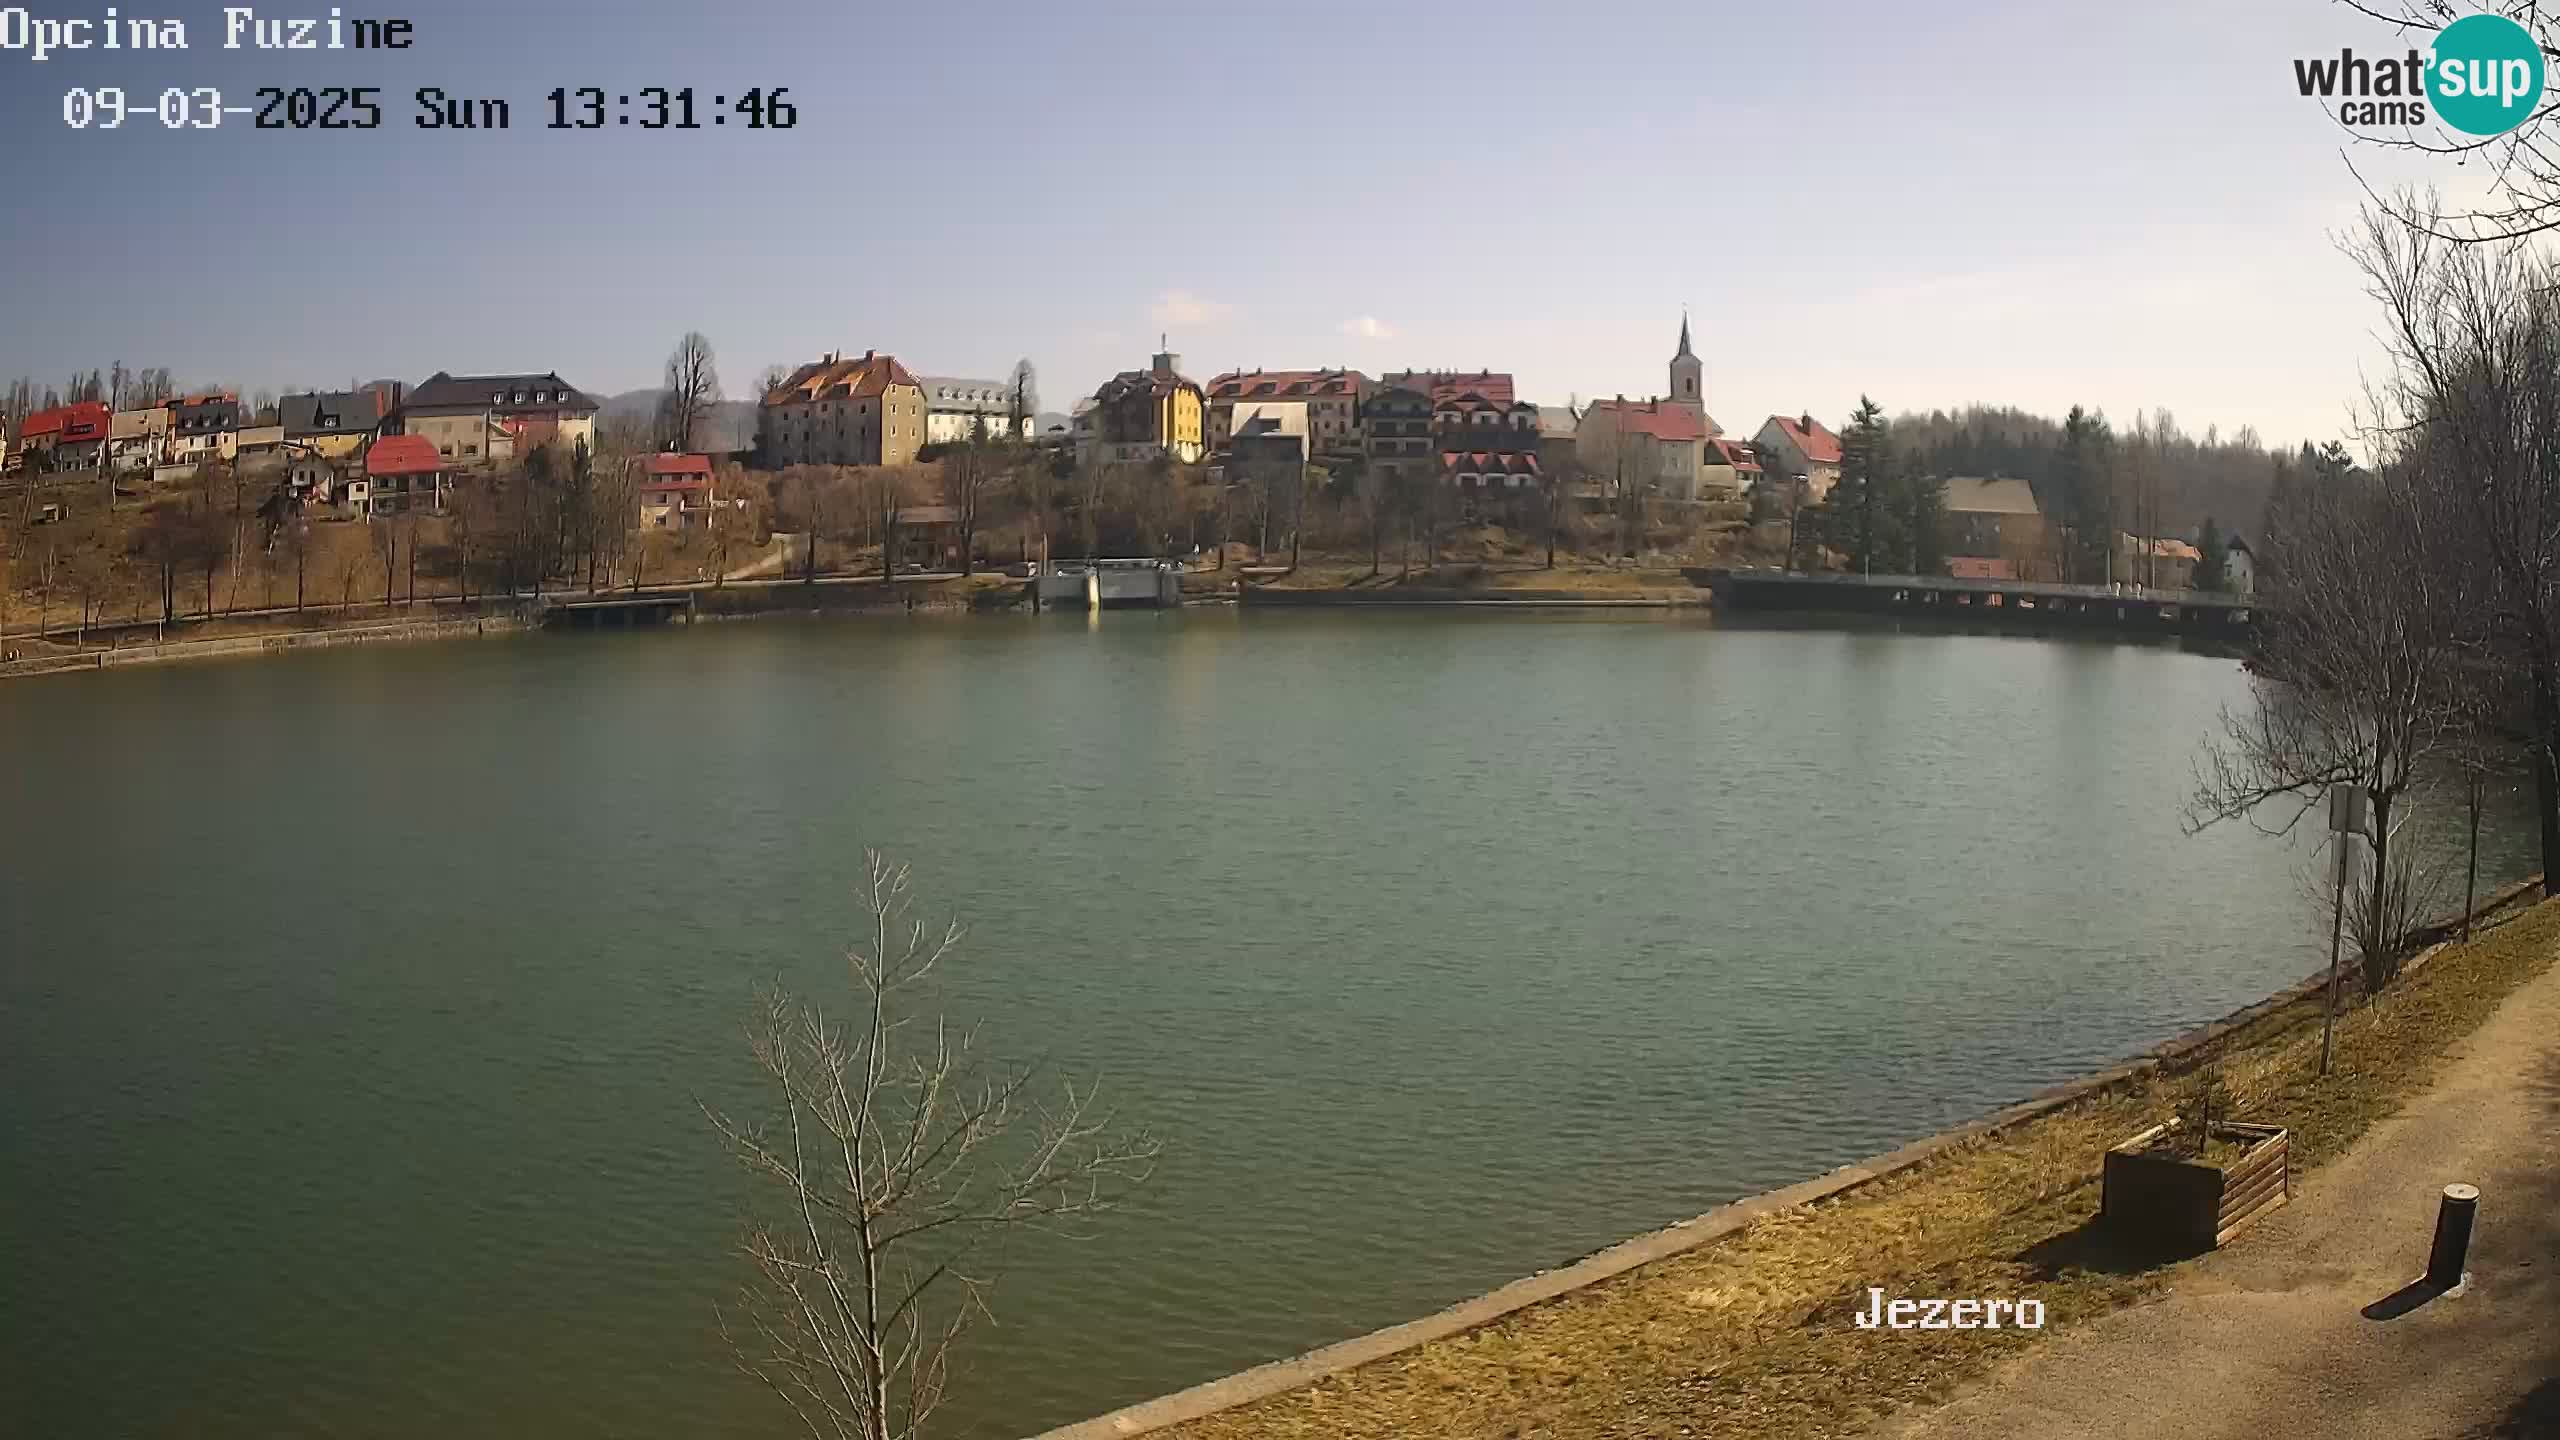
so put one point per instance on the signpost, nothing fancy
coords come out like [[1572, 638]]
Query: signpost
[[2346, 821]]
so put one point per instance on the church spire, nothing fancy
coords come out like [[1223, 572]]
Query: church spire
[[1684, 333]]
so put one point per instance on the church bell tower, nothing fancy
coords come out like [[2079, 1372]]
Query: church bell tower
[[1688, 375]]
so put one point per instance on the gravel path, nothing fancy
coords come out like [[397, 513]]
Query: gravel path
[[2266, 1339]]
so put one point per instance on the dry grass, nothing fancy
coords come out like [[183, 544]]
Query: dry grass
[[1753, 1337]]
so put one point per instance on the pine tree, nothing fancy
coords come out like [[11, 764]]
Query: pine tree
[[1924, 507], [2213, 558], [2083, 495], [1865, 476]]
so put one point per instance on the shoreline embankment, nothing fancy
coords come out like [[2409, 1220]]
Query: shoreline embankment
[[1280, 1377]]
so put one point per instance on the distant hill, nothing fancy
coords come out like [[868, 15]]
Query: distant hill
[[1048, 420], [732, 425]]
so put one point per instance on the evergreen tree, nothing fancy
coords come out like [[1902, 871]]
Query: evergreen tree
[[1924, 507], [2213, 558], [2082, 494], [1865, 477]]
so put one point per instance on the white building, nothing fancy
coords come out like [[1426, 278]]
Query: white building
[[2239, 568], [955, 408]]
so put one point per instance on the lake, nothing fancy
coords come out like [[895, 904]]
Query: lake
[[354, 1007]]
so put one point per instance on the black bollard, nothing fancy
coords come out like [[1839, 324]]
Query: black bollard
[[2453, 1235]]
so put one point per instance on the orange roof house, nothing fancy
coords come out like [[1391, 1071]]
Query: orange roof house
[[840, 411]]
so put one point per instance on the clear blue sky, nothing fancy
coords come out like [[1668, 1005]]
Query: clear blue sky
[[2116, 204]]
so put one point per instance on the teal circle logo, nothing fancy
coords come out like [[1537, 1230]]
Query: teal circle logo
[[2484, 76]]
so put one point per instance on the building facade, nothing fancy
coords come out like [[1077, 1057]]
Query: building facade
[[138, 440], [71, 437], [1996, 520], [958, 409], [675, 491], [1332, 399], [1653, 447], [839, 411], [1139, 415], [203, 427], [332, 425], [477, 421], [1798, 456]]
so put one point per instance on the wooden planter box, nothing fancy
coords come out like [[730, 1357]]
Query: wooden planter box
[[2157, 1197]]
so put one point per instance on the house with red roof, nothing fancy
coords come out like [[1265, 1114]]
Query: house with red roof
[[1799, 456], [1652, 447], [675, 491], [1469, 428], [839, 411], [74, 436], [1730, 468], [402, 475]]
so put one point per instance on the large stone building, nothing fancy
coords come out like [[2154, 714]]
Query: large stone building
[[1332, 399], [1138, 415], [483, 420], [956, 409], [840, 411]]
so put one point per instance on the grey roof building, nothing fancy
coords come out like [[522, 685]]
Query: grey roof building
[[329, 412]]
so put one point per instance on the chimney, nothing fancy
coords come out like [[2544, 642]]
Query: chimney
[[1805, 423], [866, 356]]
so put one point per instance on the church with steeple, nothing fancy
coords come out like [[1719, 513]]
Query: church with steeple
[[1689, 379], [1668, 445]]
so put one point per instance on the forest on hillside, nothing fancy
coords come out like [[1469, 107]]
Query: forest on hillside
[[2162, 480]]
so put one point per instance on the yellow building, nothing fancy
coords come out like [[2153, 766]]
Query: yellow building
[[330, 425], [1140, 414]]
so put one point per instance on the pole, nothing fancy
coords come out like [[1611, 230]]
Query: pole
[[2337, 916], [2454, 1216]]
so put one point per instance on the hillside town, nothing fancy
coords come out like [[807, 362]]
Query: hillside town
[[1267, 456]]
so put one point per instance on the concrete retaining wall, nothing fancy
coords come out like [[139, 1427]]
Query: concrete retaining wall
[[234, 646], [1252, 595], [1280, 1376]]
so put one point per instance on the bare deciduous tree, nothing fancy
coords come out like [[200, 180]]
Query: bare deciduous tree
[[898, 1155], [2357, 684], [692, 388]]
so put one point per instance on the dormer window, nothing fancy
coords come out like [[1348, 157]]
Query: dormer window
[[498, 399]]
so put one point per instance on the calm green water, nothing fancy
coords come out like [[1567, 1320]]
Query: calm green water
[[353, 1007]]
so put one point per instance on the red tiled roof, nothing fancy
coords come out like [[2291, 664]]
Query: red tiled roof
[[679, 465], [1285, 384], [871, 374], [1494, 462], [1818, 444], [402, 455], [1445, 387], [83, 420], [1671, 423], [1733, 453]]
